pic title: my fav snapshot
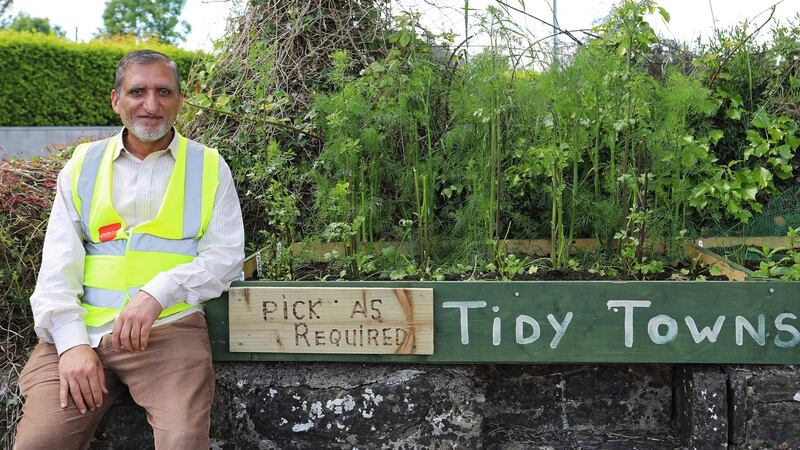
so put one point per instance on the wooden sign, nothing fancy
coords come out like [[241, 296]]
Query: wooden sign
[[331, 320], [750, 322]]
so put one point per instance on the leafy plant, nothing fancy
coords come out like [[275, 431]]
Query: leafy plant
[[779, 262]]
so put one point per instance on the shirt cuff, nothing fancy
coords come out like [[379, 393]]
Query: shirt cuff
[[164, 290], [70, 335]]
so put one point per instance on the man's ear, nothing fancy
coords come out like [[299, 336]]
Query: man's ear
[[180, 102], [114, 99]]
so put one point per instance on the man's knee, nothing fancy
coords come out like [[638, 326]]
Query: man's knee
[[45, 424], [64, 429], [191, 432]]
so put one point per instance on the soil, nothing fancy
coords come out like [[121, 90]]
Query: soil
[[316, 271]]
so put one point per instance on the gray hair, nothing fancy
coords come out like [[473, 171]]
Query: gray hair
[[144, 57]]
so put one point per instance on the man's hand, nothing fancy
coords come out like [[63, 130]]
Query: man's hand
[[132, 328], [81, 375]]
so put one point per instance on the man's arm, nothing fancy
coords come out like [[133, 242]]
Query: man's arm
[[57, 314], [219, 262]]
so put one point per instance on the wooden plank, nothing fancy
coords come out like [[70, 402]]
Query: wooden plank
[[733, 271], [755, 241], [250, 266], [750, 322], [317, 251], [331, 320], [534, 247]]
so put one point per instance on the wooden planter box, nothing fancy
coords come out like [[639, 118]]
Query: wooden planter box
[[750, 322]]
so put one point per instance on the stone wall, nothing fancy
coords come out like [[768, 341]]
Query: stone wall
[[346, 406]]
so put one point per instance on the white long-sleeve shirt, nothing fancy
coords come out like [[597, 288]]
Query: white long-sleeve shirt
[[137, 193]]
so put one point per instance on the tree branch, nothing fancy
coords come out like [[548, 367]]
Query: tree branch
[[560, 30], [716, 72], [275, 123]]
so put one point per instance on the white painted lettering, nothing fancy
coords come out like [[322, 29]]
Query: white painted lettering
[[628, 305], [560, 328], [536, 331], [496, 328], [780, 326], [464, 308], [653, 331], [706, 333], [743, 324]]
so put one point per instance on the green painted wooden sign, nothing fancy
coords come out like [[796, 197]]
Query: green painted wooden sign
[[583, 322]]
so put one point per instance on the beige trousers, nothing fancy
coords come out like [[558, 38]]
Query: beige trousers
[[172, 380]]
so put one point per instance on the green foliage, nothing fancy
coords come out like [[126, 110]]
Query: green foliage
[[156, 19], [779, 262], [24, 22], [769, 153], [58, 82], [379, 160], [627, 140], [602, 145], [272, 169], [508, 266]]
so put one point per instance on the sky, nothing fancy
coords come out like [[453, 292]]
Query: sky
[[84, 17], [689, 18]]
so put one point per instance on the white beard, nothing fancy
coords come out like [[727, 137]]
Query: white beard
[[145, 134]]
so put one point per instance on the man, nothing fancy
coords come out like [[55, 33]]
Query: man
[[145, 226]]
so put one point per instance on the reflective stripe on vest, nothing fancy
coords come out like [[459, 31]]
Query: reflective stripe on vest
[[193, 191], [86, 182], [143, 243], [106, 297], [116, 264]]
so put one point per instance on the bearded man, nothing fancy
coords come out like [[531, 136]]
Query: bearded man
[[145, 226]]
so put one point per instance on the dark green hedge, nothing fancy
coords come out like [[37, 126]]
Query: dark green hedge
[[47, 80]]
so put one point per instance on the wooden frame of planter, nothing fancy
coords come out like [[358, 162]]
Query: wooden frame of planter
[[737, 322], [751, 322]]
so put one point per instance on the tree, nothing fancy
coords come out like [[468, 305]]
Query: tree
[[5, 5], [146, 18], [24, 22]]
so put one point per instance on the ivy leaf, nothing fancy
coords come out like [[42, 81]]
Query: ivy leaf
[[749, 193], [734, 114], [202, 100], [793, 141], [715, 135], [761, 120], [776, 134], [405, 39], [664, 14], [763, 176], [784, 172], [785, 152]]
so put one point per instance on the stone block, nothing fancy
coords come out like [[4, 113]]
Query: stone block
[[766, 412], [286, 405], [702, 407], [579, 406]]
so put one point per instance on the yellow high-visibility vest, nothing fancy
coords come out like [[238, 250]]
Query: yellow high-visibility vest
[[117, 262]]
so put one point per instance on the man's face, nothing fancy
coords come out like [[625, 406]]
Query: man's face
[[148, 100]]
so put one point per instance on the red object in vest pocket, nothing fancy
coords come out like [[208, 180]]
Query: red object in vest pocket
[[109, 232]]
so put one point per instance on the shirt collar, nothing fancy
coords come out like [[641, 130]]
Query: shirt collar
[[172, 147]]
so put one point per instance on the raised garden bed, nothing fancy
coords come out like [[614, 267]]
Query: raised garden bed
[[611, 321]]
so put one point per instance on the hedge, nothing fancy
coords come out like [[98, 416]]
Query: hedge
[[49, 81]]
